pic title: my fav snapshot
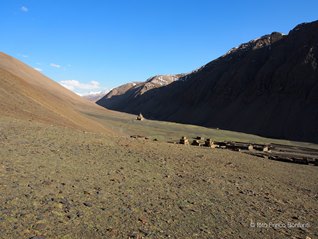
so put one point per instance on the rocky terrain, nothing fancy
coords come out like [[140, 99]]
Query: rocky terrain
[[268, 86], [58, 182]]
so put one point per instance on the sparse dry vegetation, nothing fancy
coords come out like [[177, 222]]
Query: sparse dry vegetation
[[64, 183]]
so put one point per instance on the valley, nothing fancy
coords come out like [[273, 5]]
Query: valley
[[70, 168]]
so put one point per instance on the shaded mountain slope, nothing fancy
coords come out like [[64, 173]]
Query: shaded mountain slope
[[29, 95], [268, 86]]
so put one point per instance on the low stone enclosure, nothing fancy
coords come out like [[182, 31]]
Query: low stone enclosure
[[285, 153], [278, 152]]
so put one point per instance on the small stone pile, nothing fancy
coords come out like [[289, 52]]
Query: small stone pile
[[209, 143], [184, 140], [266, 149], [140, 117]]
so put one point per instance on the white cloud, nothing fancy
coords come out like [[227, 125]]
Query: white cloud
[[24, 9], [89, 93], [94, 92], [75, 85], [37, 69], [55, 65]]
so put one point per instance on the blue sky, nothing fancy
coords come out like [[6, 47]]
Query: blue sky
[[92, 45]]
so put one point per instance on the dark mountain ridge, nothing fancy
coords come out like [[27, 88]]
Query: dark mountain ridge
[[268, 87]]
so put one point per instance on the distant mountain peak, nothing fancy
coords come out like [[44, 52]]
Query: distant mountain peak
[[95, 96], [135, 89]]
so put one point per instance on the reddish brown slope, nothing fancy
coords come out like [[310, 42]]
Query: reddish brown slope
[[29, 95]]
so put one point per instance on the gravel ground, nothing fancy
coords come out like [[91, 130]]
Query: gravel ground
[[58, 182]]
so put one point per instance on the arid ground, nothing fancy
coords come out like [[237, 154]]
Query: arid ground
[[59, 182]]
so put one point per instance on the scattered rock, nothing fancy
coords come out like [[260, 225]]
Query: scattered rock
[[39, 226], [248, 192], [134, 235], [87, 204], [79, 214], [196, 142], [138, 137], [143, 220], [63, 201], [144, 231]]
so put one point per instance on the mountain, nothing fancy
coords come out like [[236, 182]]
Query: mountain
[[27, 94], [95, 96], [268, 87], [120, 96]]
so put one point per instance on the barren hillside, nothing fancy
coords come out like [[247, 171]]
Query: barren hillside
[[29, 95]]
